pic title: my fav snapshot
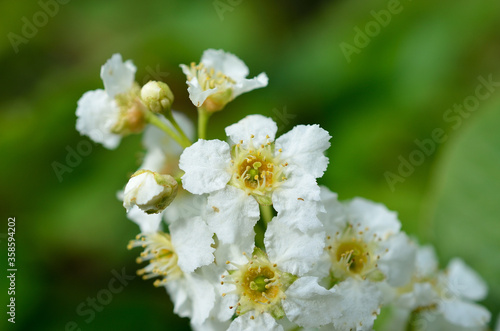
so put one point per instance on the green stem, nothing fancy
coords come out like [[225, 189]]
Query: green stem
[[153, 119], [203, 117], [266, 213], [183, 136]]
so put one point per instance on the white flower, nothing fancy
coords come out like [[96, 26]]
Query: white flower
[[219, 78], [364, 247], [262, 288], [437, 300], [106, 115], [181, 260], [150, 191], [254, 168]]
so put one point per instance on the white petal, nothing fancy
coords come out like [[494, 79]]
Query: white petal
[[310, 305], [206, 165], [464, 313], [185, 205], [232, 214], [193, 297], [465, 282], [360, 304], [234, 252], [261, 322], [426, 263], [296, 199], [118, 76], [304, 146], [211, 324], [253, 125], [293, 251], [192, 240], [398, 260], [97, 115], [148, 223], [196, 94], [375, 216], [226, 62], [335, 218], [247, 85]]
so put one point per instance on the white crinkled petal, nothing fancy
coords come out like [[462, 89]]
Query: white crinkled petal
[[466, 314], [226, 62], [232, 214], [118, 76], [304, 146], [360, 304], [185, 205], [292, 250], [309, 304], [375, 216], [206, 165], [398, 260], [263, 322], [297, 199], [192, 240], [193, 296], [257, 125], [465, 282], [97, 114], [148, 223], [247, 85]]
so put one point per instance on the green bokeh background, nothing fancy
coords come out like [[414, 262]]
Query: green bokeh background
[[72, 234]]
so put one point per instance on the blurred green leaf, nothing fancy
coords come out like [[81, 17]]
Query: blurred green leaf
[[465, 205]]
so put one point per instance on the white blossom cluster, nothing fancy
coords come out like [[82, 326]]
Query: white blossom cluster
[[241, 235]]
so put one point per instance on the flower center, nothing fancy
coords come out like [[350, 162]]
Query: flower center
[[208, 78], [160, 253], [353, 256], [260, 286], [256, 170]]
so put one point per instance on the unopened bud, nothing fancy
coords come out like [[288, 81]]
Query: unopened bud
[[150, 191], [157, 96]]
